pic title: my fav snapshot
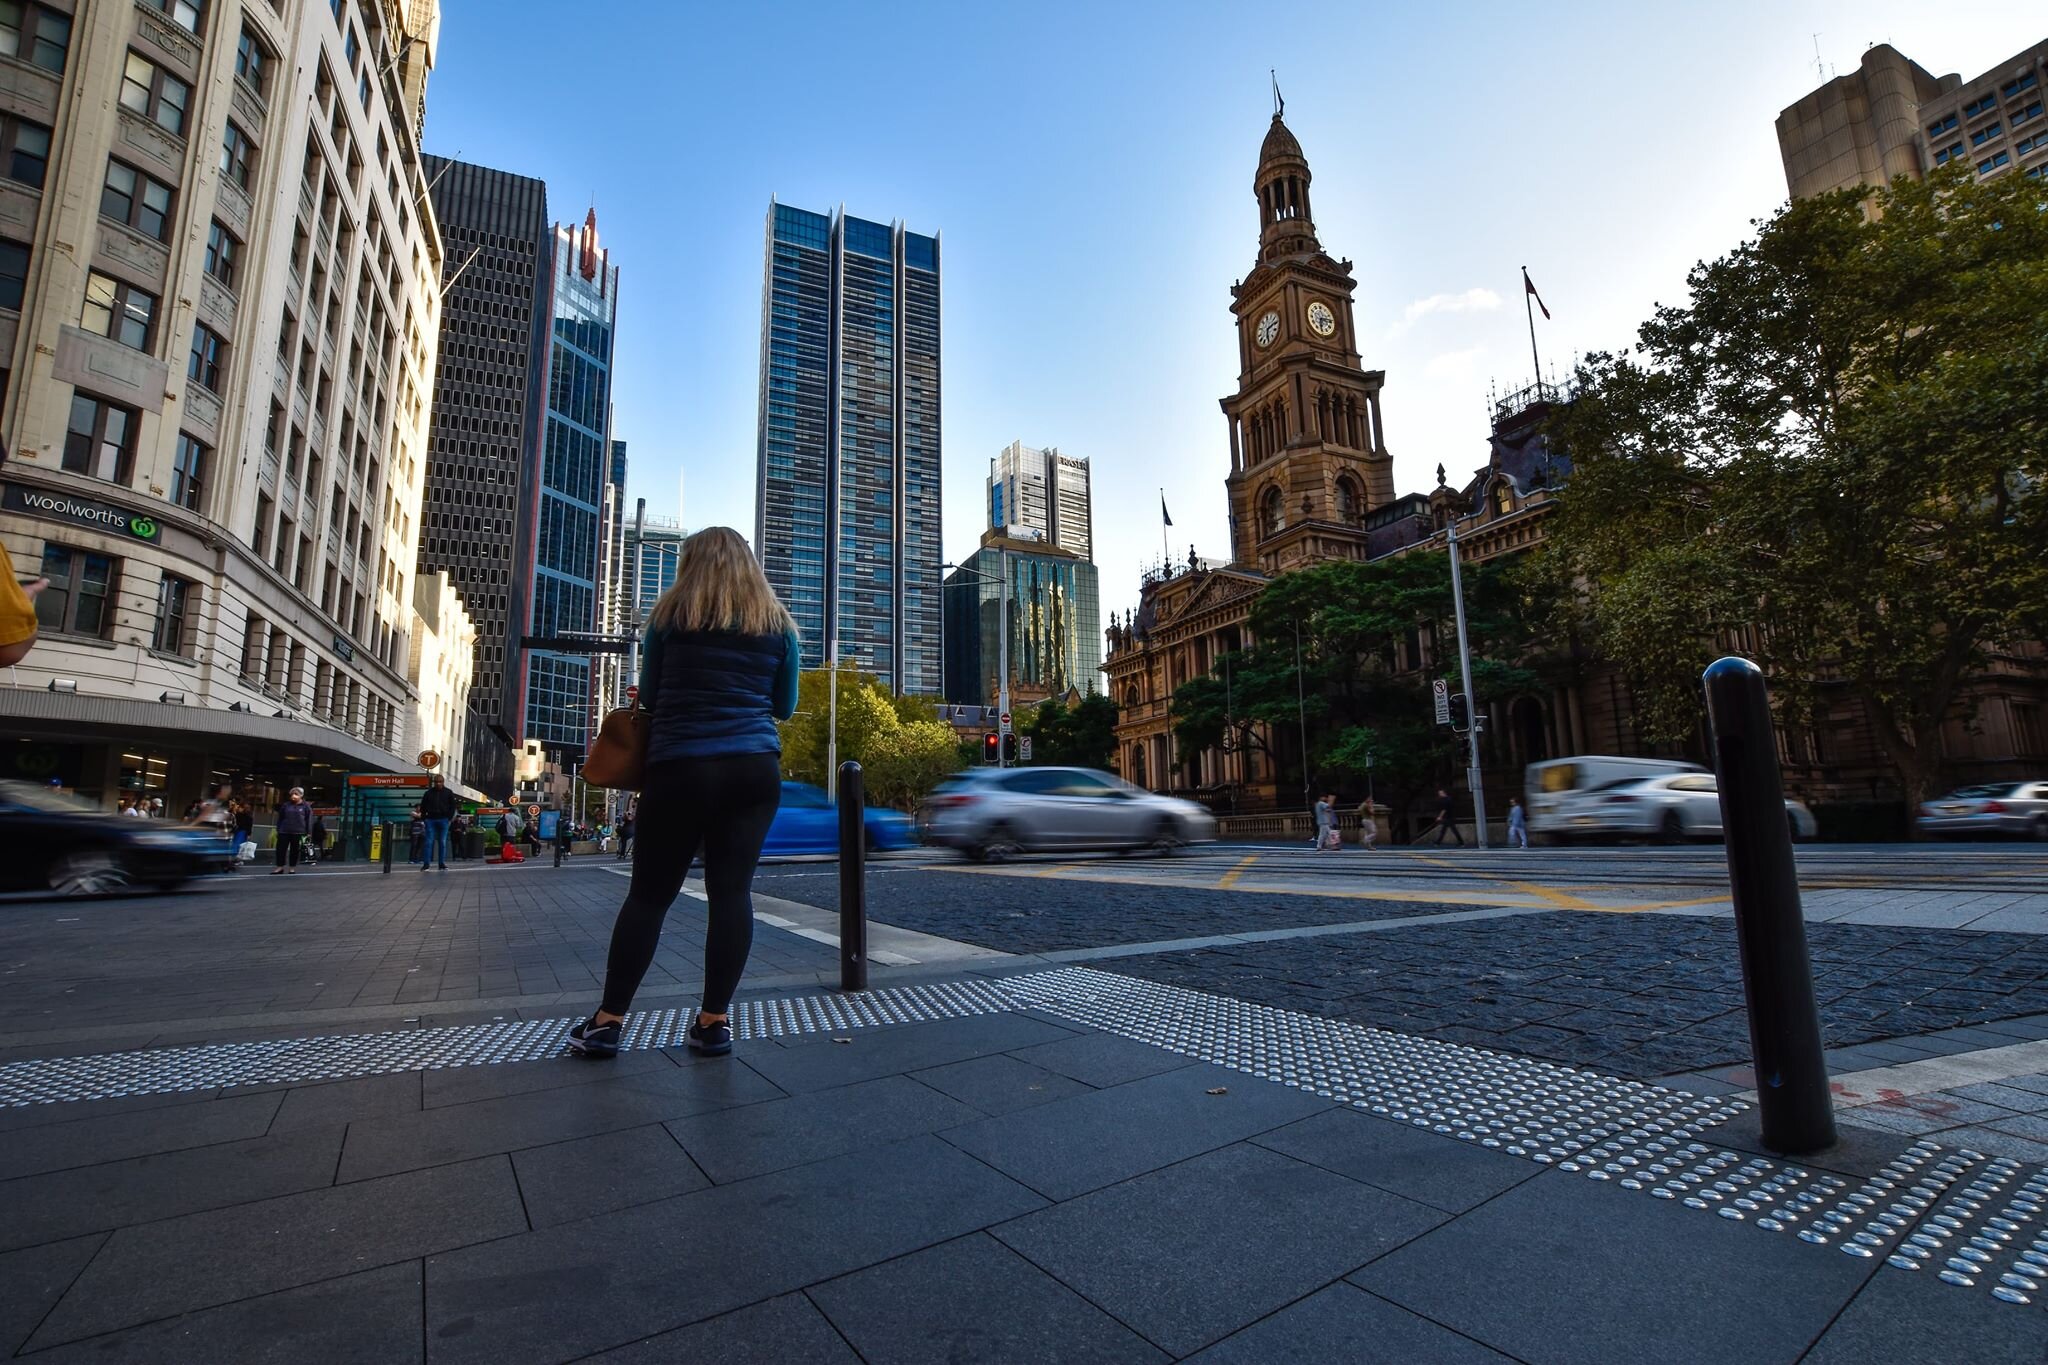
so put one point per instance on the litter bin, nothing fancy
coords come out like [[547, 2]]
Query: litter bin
[[473, 843]]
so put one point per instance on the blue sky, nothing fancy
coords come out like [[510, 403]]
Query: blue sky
[[1089, 167]]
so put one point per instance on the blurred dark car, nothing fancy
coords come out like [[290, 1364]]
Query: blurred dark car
[[57, 843]]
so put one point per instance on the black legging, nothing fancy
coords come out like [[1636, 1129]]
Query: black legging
[[723, 806]]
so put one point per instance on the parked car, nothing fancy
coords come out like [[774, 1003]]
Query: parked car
[[808, 822], [1998, 808], [993, 813], [1552, 784], [1672, 808], [58, 843]]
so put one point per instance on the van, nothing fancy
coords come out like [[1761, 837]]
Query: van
[[1553, 783]]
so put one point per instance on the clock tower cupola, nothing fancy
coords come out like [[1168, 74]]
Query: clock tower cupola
[[1307, 458]]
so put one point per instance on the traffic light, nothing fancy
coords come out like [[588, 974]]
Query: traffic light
[[1459, 716], [1010, 748], [991, 745]]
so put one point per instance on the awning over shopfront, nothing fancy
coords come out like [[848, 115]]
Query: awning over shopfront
[[72, 715]]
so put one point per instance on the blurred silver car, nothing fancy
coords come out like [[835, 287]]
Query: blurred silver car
[[2004, 808], [994, 813], [1671, 808]]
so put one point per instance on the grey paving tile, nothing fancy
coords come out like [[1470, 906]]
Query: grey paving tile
[[1409, 1161], [699, 1255], [41, 1115], [787, 1328], [467, 1084], [820, 1064], [86, 1141], [2015, 1098], [203, 1260], [974, 1299], [1101, 1059], [2033, 1126], [997, 1085], [115, 1194], [1192, 1253], [2037, 1083], [340, 1102], [31, 1281], [372, 1318], [1600, 1274], [738, 1143], [1913, 1319], [1070, 1146], [456, 1132], [1364, 1327], [606, 1171], [1994, 1143]]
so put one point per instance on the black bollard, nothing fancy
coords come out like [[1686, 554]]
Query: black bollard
[[390, 838], [853, 880], [1796, 1111]]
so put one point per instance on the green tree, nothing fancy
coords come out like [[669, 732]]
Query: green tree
[[1830, 457], [904, 764], [1083, 736], [866, 712]]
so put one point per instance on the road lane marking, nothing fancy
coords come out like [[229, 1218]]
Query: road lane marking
[[1229, 879], [1543, 893]]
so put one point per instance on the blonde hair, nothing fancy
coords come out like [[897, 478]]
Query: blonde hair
[[719, 586]]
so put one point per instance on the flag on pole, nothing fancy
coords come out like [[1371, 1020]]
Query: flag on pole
[[1529, 287], [1164, 515]]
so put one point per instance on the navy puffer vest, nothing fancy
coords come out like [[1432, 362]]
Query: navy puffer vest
[[714, 695]]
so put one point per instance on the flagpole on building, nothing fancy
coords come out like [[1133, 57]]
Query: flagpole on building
[[1529, 293], [1165, 520]]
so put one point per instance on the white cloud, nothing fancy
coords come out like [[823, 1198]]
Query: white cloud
[[1473, 300], [1452, 364]]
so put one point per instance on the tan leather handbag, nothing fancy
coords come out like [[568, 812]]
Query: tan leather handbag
[[618, 758]]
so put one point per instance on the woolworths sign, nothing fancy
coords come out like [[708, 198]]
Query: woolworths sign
[[99, 516]]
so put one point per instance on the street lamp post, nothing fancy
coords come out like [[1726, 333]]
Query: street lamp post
[[1471, 692]]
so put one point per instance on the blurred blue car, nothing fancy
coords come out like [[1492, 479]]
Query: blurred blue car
[[807, 823]]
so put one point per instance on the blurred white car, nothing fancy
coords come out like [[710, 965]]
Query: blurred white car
[[994, 813], [2005, 808], [1672, 808], [1556, 783]]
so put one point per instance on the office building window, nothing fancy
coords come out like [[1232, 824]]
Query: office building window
[[252, 62], [101, 440], [79, 600], [2026, 82], [209, 357], [34, 34], [1940, 126], [1992, 163], [186, 14], [1980, 106], [13, 272], [188, 472], [237, 155], [136, 200], [149, 90], [24, 150], [2032, 111], [221, 250], [176, 601], [1942, 157], [118, 311], [1984, 134]]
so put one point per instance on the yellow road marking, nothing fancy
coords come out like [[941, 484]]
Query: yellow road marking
[[1542, 893], [1229, 879]]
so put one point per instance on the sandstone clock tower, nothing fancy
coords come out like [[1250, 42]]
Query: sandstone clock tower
[[1307, 457]]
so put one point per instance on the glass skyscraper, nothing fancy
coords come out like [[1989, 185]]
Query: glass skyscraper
[[1055, 624], [847, 519], [576, 465]]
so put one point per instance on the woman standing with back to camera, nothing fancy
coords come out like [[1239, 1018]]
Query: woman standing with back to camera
[[718, 669]]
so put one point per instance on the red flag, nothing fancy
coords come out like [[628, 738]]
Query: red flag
[[1529, 287]]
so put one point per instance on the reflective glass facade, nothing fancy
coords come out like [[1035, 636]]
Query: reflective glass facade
[[1055, 626], [576, 463], [849, 439]]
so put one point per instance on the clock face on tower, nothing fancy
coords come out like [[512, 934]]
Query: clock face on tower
[[1269, 328], [1320, 319]]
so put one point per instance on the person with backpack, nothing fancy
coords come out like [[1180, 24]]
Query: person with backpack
[[294, 823], [719, 669]]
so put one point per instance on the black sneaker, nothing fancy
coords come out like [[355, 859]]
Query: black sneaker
[[712, 1040], [593, 1039]]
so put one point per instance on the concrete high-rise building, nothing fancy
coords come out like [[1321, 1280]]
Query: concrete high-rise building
[[488, 401], [847, 519], [567, 500], [442, 654], [1042, 491], [217, 320], [1055, 616], [1890, 117], [654, 551]]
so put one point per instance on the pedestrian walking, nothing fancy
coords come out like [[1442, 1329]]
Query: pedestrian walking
[[719, 668], [294, 823], [245, 832], [1518, 824], [437, 808], [1368, 828], [1327, 837], [625, 836], [1447, 818], [564, 832]]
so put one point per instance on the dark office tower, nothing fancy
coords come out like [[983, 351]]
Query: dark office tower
[[485, 436], [575, 467], [847, 520]]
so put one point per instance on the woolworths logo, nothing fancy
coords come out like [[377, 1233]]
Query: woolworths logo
[[78, 511]]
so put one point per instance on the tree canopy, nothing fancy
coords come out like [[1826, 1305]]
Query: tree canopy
[[901, 745], [1083, 736], [1831, 456]]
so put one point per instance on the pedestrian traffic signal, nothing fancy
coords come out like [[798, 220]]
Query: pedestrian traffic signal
[[1010, 747], [991, 745], [1459, 716]]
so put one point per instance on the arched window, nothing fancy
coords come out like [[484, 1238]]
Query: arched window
[[1272, 512], [1348, 509]]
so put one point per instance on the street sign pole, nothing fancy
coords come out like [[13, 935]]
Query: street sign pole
[[1471, 695]]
